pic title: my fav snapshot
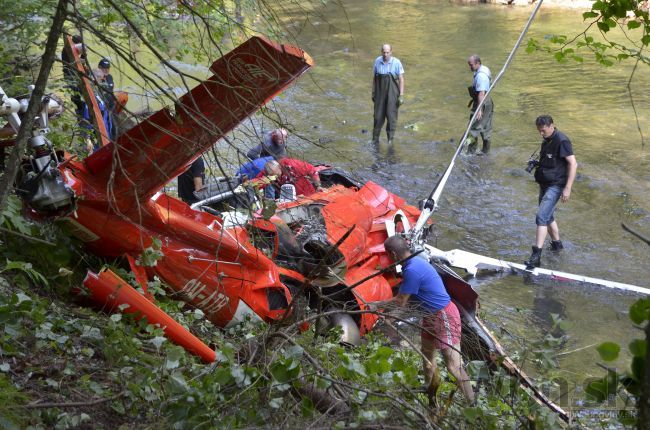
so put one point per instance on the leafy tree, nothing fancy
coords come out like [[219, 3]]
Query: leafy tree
[[627, 17]]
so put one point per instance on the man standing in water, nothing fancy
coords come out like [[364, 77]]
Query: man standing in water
[[555, 173], [387, 92], [483, 123], [441, 325]]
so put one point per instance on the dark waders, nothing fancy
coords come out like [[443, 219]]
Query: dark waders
[[386, 91], [482, 127]]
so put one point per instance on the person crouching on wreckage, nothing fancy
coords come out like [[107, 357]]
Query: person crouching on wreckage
[[302, 175], [441, 325]]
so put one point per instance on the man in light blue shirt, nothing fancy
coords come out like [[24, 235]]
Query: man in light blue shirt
[[478, 91], [387, 93]]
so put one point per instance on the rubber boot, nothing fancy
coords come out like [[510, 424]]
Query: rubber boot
[[471, 143], [556, 245], [375, 136], [535, 259], [486, 147]]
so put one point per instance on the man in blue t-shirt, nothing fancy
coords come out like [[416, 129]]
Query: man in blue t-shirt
[[441, 325], [554, 173], [387, 93]]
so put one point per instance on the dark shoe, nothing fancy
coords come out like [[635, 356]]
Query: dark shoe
[[556, 245], [486, 147], [535, 259]]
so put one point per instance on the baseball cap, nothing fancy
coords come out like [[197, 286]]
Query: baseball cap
[[104, 63]]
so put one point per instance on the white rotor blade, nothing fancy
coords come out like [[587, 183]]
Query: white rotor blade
[[473, 262]]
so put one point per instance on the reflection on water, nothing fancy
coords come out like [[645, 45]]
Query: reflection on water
[[489, 204]]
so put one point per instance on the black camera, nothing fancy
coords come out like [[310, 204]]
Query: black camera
[[532, 163]]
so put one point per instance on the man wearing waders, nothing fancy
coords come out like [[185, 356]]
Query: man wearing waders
[[387, 92], [483, 123]]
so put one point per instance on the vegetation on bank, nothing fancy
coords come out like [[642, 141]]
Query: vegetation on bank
[[64, 364]]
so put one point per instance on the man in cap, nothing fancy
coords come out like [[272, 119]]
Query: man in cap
[[106, 83], [274, 143]]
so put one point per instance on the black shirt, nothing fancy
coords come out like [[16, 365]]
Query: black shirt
[[186, 181], [553, 167]]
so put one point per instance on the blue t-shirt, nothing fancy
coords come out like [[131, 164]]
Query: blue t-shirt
[[253, 168], [482, 79], [423, 283], [394, 66]]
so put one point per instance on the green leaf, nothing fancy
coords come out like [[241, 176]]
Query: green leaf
[[597, 391], [307, 407], [646, 39], [472, 414], [608, 351], [588, 15], [174, 357], [638, 347], [640, 311], [633, 24], [599, 5], [603, 27], [296, 351], [638, 368], [177, 383]]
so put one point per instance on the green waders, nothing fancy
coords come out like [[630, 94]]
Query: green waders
[[386, 92]]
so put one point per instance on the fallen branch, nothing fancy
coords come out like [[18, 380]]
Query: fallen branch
[[36, 405], [24, 236]]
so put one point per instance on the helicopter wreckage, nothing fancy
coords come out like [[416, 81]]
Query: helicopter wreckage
[[221, 255]]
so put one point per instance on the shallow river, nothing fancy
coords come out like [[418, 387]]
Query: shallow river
[[489, 204]]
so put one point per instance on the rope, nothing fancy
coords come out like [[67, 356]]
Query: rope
[[432, 201]]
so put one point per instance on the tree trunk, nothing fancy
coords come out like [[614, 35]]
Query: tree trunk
[[7, 180]]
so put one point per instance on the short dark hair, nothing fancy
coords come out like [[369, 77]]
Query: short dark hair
[[104, 63], [396, 244], [77, 39], [543, 120]]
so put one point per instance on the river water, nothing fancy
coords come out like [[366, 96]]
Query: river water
[[489, 204]]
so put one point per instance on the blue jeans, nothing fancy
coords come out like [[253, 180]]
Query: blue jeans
[[548, 197]]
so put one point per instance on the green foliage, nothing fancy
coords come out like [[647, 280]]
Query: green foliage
[[615, 382], [625, 16], [151, 254]]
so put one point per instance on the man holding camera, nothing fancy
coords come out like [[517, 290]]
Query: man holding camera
[[555, 172]]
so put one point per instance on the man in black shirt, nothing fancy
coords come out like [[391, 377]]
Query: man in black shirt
[[555, 173], [191, 180]]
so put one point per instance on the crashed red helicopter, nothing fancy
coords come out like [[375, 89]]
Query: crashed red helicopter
[[226, 263]]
